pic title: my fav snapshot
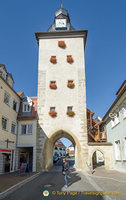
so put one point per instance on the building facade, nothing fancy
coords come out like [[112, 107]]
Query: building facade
[[70, 151], [59, 148], [115, 124], [26, 137], [9, 106]]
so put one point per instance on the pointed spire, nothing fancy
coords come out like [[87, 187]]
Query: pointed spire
[[61, 3]]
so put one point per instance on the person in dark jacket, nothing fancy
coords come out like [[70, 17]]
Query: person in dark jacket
[[65, 171]]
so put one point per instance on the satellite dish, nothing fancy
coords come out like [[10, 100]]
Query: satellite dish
[[112, 115]]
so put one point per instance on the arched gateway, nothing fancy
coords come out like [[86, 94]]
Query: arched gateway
[[49, 145], [61, 90]]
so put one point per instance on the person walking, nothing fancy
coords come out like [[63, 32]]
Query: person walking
[[65, 171]]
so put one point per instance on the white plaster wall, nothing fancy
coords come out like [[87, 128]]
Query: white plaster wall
[[62, 96], [27, 139]]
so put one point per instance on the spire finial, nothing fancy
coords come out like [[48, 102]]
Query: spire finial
[[61, 3]]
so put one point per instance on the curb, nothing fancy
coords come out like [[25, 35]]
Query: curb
[[17, 186]]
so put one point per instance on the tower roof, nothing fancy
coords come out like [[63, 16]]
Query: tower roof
[[61, 14]]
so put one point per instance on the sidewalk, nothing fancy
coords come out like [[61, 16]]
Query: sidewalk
[[9, 180], [113, 174], [110, 181]]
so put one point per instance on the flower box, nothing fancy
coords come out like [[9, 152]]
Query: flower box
[[70, 113], [53, 113], [70, 85], [53, 86], [70, 59], [53, 59], [62, 44]]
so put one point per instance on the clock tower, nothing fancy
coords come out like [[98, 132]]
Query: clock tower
[[61, 21], [61, 91]]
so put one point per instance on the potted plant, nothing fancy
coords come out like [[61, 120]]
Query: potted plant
[[53, 113], [70, 113], [70, 59], [70, 85], [62, 44], [53, 59], [53, 86]]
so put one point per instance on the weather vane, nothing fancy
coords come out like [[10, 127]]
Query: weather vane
[[61, 3]]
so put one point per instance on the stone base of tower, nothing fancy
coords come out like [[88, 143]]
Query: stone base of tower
[[45, 146]]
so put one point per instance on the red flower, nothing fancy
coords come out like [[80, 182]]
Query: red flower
[[53, 86], [53, 59], [52, 113], [62, 44], [70, 113], [70, 85], [70, 59]]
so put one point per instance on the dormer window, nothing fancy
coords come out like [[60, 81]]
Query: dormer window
[[26, 107]]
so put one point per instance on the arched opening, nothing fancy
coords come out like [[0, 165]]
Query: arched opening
[[97, 159], [63, 148], [50, 144]]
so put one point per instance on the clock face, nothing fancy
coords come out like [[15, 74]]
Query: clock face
[[60, 23]]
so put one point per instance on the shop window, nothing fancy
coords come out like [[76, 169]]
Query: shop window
[[13, 128], [7, 98], [4, 123]]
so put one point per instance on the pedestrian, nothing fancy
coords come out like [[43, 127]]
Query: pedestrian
[[65, 171]]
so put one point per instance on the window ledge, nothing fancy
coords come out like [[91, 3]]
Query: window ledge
[[115, 125], [118, 161], [26, 134], [5, 129]]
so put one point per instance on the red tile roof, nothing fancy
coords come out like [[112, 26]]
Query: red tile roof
[[59, 143], [20, 93]]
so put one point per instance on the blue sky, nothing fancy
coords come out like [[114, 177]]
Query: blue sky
[[105, 52]]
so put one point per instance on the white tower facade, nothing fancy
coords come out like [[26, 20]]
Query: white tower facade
[[61, 91]]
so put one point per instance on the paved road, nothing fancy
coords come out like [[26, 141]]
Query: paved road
[[53, 181]]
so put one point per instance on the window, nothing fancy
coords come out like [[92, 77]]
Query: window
[[52, 82], [4, 123], [6, 99], [15, 106], [56, 148], [70, 81], [26, 129], [13, 128], [117, 150], [124, 111], [26, 107], [125, 148], [52, 108], [115, 120], [60, 149], [69, 108]]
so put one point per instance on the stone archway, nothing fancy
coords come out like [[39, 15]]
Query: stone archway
[[47, 153], [97, 159], [106, 150]]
